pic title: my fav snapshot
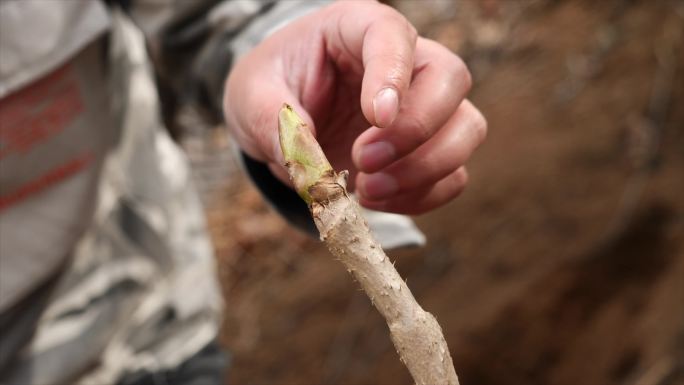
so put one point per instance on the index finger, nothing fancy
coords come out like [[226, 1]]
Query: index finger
[[382, 41]]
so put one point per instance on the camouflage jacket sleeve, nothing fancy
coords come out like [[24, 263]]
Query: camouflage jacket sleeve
[[194, 43]]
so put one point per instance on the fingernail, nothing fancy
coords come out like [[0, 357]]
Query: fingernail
[[374, 156], [379, 186], [385, 107]]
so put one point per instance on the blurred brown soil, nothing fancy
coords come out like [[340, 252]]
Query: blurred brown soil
[[562, 263]]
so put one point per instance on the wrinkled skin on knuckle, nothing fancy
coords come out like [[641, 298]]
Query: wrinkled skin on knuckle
[[418, 132], [397, 74]]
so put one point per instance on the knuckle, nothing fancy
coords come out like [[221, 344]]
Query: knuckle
[[419, 131], [459, 181], [391, 15], [480, 125], [386, 14], [458, 191], [460, 73], [464, 177], [451, 64], [398, 62], [394, 67], [412, 31]]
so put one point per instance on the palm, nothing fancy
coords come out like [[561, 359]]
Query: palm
[[338, 119]]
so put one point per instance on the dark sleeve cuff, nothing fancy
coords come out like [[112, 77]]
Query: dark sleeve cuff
[[284, 199]]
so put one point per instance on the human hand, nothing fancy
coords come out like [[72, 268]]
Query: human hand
[[404, 144]]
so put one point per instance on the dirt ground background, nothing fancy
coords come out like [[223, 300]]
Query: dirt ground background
[[562, 263]]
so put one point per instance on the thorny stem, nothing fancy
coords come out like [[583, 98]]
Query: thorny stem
[[414, 332]]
